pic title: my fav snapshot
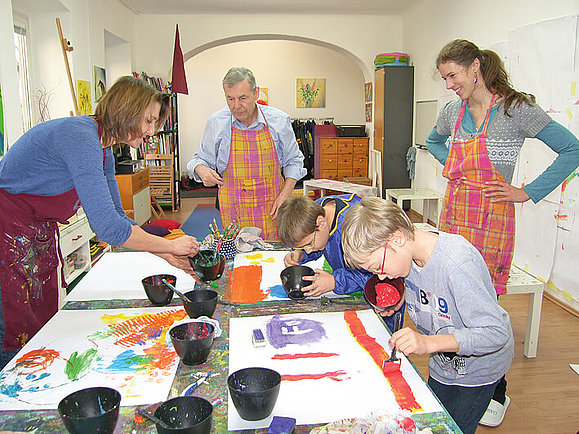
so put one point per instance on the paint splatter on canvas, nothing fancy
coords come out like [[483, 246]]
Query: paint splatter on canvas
[[334, 358], [130, 351]]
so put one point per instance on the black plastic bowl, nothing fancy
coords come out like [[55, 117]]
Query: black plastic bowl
[[207, 265], [95, 409], [370, 290], [186, 415], [157, 292], [202, 302], [193, 341], [254, 391], [292, 281]]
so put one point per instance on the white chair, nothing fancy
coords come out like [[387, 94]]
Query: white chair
[[376, 170]]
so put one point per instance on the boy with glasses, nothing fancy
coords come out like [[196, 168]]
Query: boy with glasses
[[450, 297], [313, 229]]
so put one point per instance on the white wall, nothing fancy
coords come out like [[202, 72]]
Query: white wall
[[276, 65]]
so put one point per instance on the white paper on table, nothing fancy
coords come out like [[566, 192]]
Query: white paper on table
[[357, 388], [271, 263], [128, 350], [117, 276]]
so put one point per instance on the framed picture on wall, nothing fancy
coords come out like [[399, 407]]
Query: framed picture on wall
[[83, 96], [368, 112], [100, 83], [368, 92], [263, 95], [310, 92]]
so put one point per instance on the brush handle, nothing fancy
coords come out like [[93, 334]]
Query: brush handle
[[155, 419], [176, 291]]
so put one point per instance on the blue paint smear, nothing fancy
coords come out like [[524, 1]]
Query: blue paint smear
[[30, 376], [11, 390], [277, 291], [124, 362], [42, 376]]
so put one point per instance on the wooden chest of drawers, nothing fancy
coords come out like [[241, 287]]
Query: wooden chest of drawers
[[135, 195], [343, 157]]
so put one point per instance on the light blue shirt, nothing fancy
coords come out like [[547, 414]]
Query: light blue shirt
[[216, 141]]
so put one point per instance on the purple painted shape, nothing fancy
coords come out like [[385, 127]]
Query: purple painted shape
[[285, 330]]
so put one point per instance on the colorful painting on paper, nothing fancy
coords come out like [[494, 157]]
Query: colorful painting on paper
[[256, 276], [100, 82], [311, 92], [129, 350], [369, 112], [325, 357], [368, 92], [83, 97], [263, 95]]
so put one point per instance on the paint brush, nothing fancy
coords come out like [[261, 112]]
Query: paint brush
[[176, 291], [397, 324], [155, 419], [190, 389]]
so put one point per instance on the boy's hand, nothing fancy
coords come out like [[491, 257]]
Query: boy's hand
[[409, 342], [293, 258], [322, 282], [392, 311]]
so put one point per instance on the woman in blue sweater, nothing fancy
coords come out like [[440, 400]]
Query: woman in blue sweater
[[51, 171]]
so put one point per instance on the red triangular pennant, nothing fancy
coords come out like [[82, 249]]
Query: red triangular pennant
[[178, 78]]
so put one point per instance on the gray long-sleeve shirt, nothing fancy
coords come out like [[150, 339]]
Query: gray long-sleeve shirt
[[453, 294]]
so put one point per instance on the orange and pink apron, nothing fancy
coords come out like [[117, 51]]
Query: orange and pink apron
[[489, 226], [252, 181]]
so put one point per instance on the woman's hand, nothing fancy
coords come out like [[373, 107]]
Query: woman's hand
[[185, 246], [499, 191], [181, 262], [293, 258]]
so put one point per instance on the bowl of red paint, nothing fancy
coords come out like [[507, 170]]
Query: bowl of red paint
[[383, 294], [95, 409]]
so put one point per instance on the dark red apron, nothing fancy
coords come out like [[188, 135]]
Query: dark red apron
[[29, 260]]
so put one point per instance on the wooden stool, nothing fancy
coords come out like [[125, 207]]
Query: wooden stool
[[155, 206]]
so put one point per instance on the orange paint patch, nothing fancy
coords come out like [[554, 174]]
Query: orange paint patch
[[163, 357], [37, 360], [402, 391], [245, 285]]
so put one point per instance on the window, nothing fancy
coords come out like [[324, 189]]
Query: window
[[20, 45]]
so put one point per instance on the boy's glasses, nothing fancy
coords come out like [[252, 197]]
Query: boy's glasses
[[310, 245]]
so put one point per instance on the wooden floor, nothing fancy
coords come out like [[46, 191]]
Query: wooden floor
[[544, 391]]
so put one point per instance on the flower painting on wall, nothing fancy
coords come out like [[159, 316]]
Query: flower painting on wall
[[83, 96], [310, 92]]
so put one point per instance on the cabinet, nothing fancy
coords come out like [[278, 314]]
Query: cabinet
[[393, 114], [136, 195], [343, 157]]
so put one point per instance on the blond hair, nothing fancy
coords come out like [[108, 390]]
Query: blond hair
[[297, 218], [122, 107], [368, 225]]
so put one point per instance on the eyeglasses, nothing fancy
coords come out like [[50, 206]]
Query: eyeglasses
[[381, 270], [310, 245]]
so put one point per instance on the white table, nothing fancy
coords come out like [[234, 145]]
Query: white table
[[346, 187], [521, 282], [423, 194]]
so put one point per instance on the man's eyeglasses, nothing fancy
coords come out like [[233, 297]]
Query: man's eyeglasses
[[310, 245]]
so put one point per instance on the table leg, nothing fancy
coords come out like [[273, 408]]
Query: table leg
[[425, 210], [533, 323]]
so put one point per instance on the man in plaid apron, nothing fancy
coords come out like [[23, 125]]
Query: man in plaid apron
[[244, 149]]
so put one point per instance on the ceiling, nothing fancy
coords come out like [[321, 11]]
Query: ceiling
[[312, 7]]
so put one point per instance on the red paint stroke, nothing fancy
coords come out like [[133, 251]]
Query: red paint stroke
[[137, 330], [37, 360], [334, 375], [402, 391], [303, 356], [245, 285], [407, 424]]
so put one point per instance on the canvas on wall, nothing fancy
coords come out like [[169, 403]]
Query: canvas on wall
[[310, 92], [263, 95], [83, 97], [368, 92], [100, 83]]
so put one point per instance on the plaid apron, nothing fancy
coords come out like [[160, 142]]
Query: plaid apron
[[489, 226], [252, 181]]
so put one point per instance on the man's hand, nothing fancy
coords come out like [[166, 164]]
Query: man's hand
[[209, 176], [499, 191], [283, 196]]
